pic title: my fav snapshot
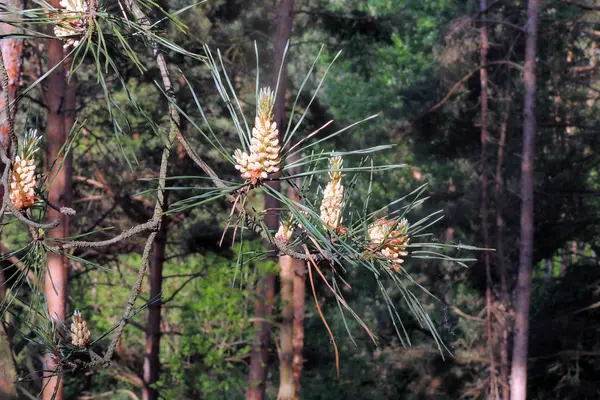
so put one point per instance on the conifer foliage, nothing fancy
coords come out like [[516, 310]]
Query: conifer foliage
[[324, 223]]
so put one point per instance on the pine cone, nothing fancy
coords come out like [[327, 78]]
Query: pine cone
[[80, 334], [22, 184], [284, 233], [74, 23], [333, 196], [264, 144], [391, 239]]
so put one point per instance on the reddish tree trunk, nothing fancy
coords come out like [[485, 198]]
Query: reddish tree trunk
[[484, 200], [298, 333], [504, 360], [518, 389], [152, 356], [259, 358], [60, 103], [286, 377], [292, 325], [12, 53]]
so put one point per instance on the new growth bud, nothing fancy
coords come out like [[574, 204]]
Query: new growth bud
[[286, 228], [391, 239], [74, 22], [264, 144]]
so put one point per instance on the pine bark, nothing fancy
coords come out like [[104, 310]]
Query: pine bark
[[298, 331], [12, 53], [505, 328], [152, 356], [484, 200], [60, 102], [263, 309], [518, 390], [286, 376]]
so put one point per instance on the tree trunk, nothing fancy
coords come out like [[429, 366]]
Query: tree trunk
[[518, 389], [291, 333], [12, 53], [60, 105], [152, 356], [298, 332], [504, 360], [8, 373], [259, 358], [286, 376], [484, 211]]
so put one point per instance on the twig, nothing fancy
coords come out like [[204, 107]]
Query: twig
[[461, 313], [471, 19], [150, 225], [589, 7], [174, 131], [466, 78]]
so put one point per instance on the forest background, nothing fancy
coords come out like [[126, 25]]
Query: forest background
[[450, 83]]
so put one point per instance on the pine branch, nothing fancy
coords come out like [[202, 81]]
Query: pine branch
[[155, 222]]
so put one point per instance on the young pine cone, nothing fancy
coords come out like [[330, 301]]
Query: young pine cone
[[333, 196], [285, 231], [391, 238], [22, 184], [80, 334], [264, 144], [74, 24]]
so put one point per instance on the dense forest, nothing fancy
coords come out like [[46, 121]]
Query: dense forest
[[299, 199]]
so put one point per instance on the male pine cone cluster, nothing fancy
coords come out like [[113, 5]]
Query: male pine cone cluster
[[74, 23], [333, 196], [264, 144], [22, 184], [391, 239], [80, 334]]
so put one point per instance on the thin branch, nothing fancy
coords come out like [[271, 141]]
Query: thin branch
[[465, 78], [150, 225], [174, 131], [471, 19], [463, 314], [589, 7], [501, 22]]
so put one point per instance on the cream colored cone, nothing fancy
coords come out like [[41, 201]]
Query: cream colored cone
[[264, 145], [333, 196], [80, 334], [391, 239]]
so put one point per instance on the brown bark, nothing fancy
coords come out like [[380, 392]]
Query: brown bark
[[60, 102], [8, 373], [259, 358], [286, 378], [12, 53], [518, 389], [298, 331], [484, 211], [504, 360], [292, 309], [152, 355]]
